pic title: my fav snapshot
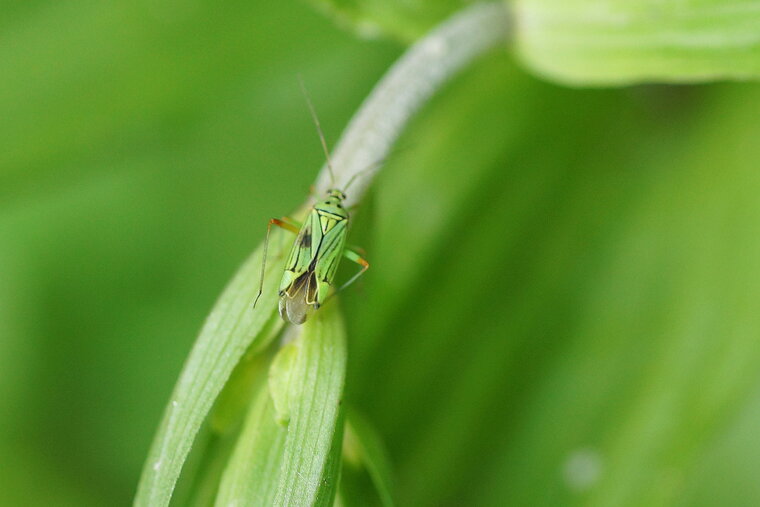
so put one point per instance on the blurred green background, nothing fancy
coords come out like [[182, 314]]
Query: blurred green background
[[562, 305]]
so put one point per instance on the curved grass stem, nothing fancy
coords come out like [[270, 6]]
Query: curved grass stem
[[406, 87]]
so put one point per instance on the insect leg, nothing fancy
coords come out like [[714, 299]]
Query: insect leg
[[355, 257], [284, 224], [288, 223], [355, 249]]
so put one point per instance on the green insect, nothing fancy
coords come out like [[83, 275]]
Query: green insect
[[320, 244]]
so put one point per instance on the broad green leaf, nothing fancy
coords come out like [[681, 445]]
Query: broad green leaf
[[597, 42], [288, 450], [232, 328], [607, 261], [395, 18], [602, 42]]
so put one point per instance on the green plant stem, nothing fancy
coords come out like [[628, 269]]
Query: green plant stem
[[405, 88]]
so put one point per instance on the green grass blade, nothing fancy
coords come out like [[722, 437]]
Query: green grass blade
[[288, 452], [315, 389], [328, 489], [232, 328], [215, 442], [253, 470]]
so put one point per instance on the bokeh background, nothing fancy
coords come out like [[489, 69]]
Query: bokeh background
[[562, 305]]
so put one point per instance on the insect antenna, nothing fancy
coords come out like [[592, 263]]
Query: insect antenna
[[372, 167], [319, 129], [353, 178]]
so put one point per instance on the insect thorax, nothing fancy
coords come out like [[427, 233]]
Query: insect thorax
[[331, 210]]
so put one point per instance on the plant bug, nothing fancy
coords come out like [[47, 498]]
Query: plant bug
[[319, 245]]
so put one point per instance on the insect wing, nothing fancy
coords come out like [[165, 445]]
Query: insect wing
[[301, 253], [298, 289], [299, 298], [330, 254]]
